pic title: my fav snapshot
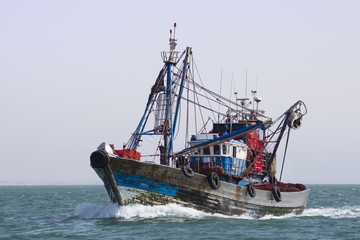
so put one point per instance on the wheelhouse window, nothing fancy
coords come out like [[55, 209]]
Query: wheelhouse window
[[216, 150], [224, 149], [206, 151], [234, 152]]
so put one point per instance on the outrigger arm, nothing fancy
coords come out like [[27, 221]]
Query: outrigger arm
[[292, 117]]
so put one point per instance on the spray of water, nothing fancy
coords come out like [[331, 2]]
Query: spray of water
[[88, 211], [136, 211]]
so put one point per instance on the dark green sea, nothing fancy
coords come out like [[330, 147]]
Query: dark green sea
[[85, 212]]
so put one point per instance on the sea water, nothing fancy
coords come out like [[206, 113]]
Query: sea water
[[85, 212]]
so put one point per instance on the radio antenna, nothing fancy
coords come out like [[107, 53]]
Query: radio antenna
[[246, 83], [221, 78]]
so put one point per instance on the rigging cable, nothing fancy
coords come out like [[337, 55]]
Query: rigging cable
[[178, 124], [202, 84], [216, 101], [216, 96], [286, 146], [206, 97], [220, 94], [194, 93], [187, 117], [202, 106], [202, 117]]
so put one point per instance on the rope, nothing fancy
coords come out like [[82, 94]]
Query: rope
[[195, 115], [203, 84], [287, 141], [187, 118]]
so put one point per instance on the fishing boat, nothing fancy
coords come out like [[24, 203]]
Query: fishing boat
[[208, 152]]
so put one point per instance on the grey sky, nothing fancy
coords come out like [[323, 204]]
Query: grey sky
[[76, 73]]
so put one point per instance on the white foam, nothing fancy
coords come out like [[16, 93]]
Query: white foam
[[343, 212], [173, 210], [136, 211], [88, 211]]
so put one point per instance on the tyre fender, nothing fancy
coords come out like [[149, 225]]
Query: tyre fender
[[214, 180], [188, 171], [251, 190], [276, 194], [99, 159]]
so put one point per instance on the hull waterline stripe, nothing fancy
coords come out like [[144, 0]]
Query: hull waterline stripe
[[144, 183]]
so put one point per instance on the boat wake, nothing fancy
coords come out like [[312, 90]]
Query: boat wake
[[342, 212], [138, 211], [335, 213]]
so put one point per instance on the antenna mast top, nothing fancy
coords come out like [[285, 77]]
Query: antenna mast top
[[172, 55], [172, 39]]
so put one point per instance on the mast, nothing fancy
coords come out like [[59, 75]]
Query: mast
[[163, 92], [183, 77], [168, 133], [170, 60], [170, 118]]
